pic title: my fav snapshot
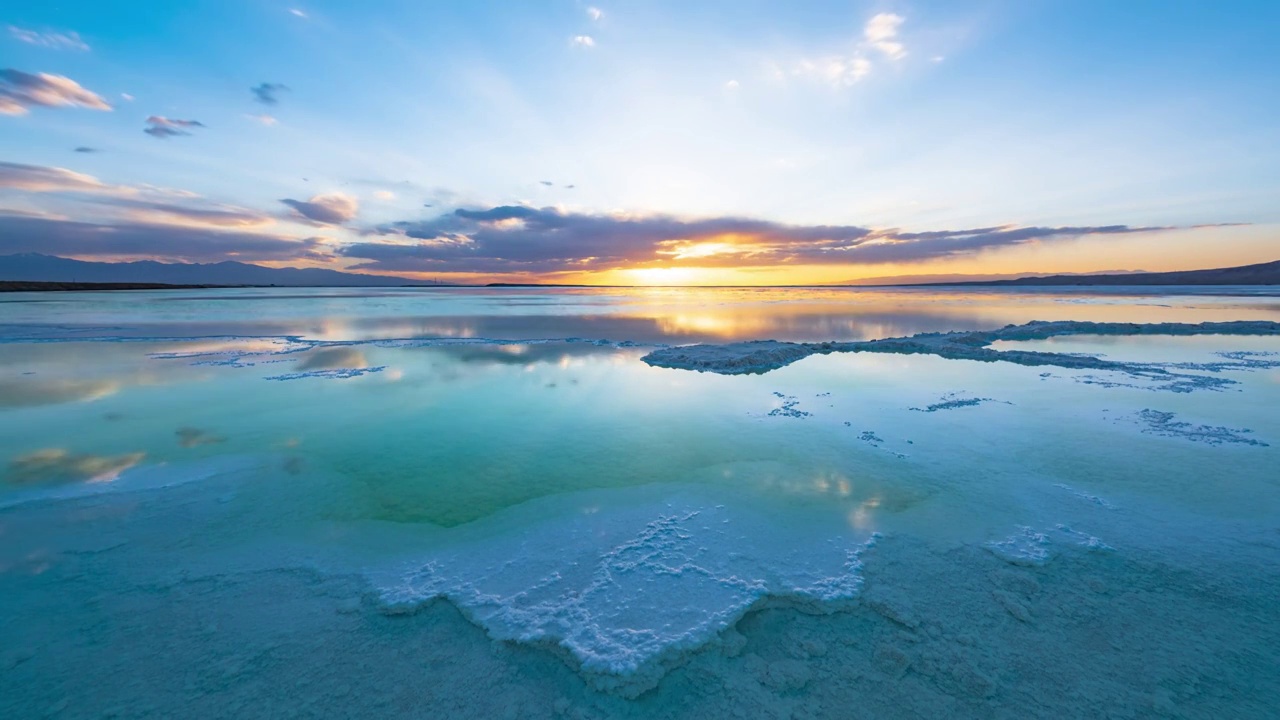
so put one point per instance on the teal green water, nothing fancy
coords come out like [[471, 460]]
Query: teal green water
[[405, 503]]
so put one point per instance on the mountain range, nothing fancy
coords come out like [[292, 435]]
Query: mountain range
[[35, 267], [1259, 274], [48, 268], [954, 278]]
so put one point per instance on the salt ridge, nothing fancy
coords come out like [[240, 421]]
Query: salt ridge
[[764, 355], [626, 589]]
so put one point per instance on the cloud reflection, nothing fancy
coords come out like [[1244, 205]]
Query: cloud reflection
[[189, 437], [338, 358], [53, 465], [31, 393]]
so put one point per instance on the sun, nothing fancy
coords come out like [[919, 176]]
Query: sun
[[665, 276]]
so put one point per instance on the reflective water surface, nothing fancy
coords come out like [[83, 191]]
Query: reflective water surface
[[474, 503]]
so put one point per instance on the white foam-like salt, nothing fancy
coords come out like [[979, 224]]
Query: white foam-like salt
[[1088, 497], [1028, 546], [623, 586], [1024, 547], [1081, 539]]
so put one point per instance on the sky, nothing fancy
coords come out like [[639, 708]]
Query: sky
[[644, 141]]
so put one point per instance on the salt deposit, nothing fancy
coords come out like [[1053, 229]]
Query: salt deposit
[[624, 590], [763, 356]]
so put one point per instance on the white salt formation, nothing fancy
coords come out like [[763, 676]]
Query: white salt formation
[[765, 355], [625, 588]]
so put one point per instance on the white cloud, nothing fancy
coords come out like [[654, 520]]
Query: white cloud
[[126, 97], [57, 41], [265, 119], [584, 41], [330, 209], [881, 33], [836, 70], [732, 85], [297, 12], [138, 203], [20, 91], [385, 195], [595, 13], [39, 179]]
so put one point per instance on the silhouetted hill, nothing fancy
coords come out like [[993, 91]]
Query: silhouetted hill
[[1260, 274], [34, 267], [33, 286], [957, 278]]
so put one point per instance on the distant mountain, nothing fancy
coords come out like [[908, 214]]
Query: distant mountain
[[954, 278], [34, 286], [47, 268], [1260, 274]]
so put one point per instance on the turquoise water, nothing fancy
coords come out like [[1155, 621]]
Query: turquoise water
[[483, 503]]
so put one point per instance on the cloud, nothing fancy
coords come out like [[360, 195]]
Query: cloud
[[56, 236], [264, 118], [548, 183], [126, 97], [881, 33], [189, 215], [595, 13], [141, 203], [266, 92], [836, 70], [163, 127], [86, 149], [20, 91], [55, 40], [732, 85], [297, 13], [39, 178], [583, 41], [516, 238], [329, 209], [385, 195]]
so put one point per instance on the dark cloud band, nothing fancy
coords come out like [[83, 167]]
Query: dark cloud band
[[514, 238], [162, 127], [268, 93], [24, 234]]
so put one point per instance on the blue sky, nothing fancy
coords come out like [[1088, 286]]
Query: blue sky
[[705, 141]]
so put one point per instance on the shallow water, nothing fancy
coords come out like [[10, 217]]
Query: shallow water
[[473, 503]]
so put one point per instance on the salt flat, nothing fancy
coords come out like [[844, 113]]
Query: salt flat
[[445, 503]]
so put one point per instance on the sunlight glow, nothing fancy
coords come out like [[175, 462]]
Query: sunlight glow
[[665, 276], [686, 251]]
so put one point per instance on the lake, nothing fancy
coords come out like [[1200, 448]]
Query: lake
[[471, 502]]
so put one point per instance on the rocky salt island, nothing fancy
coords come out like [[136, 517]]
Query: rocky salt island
[[765, 355]]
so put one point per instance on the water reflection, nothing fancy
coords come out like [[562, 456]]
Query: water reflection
[[334, 359], [189, 437], [42, 373], [445, 402], [53, 465], [31, 391], [647, 315]]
